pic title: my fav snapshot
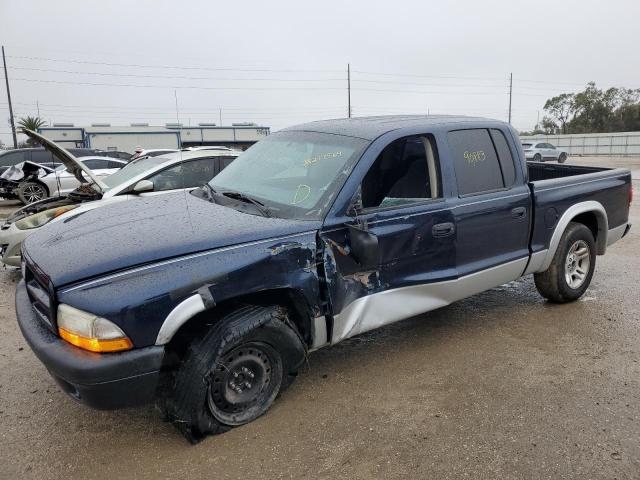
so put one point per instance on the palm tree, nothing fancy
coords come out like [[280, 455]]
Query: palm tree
[[31, 123]]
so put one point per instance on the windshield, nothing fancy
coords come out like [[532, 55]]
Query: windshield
[[294, 174], [132, 169]]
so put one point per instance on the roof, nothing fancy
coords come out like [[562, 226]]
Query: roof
[[370, 128]]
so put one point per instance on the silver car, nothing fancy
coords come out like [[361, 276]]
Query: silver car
[[541, 152]]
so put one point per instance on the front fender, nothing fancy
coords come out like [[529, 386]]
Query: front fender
[[141, 298]]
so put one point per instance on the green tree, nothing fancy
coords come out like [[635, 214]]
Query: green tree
[[31, 123], [560, 109], [549, 127], [593, 110]]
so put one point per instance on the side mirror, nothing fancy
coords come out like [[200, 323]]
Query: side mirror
[[364, 247], [143, 186]]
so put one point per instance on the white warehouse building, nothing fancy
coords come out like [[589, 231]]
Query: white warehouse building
[[103, 136]]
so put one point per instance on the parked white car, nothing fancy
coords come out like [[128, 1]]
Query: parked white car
[[63, 181], [139, 178], [542, 151]]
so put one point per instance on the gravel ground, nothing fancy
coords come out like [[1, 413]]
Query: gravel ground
[[501, 385]]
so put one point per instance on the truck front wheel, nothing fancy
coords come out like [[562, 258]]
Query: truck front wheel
[[234, 373], [571, 269]]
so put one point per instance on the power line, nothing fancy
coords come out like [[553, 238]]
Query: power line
[[196, 87], [266, 109], [182, 77], [387, 74], [429, 92], [137, 65]]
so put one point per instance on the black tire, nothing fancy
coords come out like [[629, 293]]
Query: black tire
[[233, 374], [29, 192], [537, 157], [562, 158], [554, 283]]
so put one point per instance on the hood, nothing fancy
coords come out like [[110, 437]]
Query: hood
[[17, 172], [145, 230], [78, 169]]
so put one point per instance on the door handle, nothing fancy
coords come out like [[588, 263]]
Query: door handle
[[519, 212], [443, 229]]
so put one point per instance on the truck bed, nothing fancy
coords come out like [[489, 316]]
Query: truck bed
[[541, 171], [557, 187]]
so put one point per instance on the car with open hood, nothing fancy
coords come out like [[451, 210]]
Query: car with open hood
[[30, 182], [209, 301], [137, 179]]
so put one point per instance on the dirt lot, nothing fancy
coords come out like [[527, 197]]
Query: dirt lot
[[502, 385]]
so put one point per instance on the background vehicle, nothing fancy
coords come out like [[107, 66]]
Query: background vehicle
[[540, 152], [44, 157], [140, 178], [152, 152], [313, 235], [62, 181], [30, 182]]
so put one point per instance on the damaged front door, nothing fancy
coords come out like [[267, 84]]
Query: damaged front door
[[397, 238]]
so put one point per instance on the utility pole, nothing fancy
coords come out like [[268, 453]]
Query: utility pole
[[510, 94], [349, 90], [6, 79], [220, 117], [38, 108]]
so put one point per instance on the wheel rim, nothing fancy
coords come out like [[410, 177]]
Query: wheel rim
[[537, 157], [577, 264], [33, 193], [244, 383]]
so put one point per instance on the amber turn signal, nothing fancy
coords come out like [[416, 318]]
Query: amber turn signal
[[95, 344]]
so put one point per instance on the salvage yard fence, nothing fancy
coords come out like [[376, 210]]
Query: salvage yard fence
[[602, 144]]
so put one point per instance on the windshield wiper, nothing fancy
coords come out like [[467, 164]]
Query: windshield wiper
[[261, 207], [210, 191]]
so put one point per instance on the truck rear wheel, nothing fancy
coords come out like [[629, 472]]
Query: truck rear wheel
[[571, 269], [234, 373]]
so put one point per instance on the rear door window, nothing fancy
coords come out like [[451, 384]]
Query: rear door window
[[475, 161], [97, 164], [41, 156]]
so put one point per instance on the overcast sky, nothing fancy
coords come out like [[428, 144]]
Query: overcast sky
[[284, 62]]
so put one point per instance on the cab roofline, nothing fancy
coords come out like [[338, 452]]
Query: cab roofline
[[370, 128]]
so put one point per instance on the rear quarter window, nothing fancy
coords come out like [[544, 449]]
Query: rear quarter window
[[504, 156], [475, 161]]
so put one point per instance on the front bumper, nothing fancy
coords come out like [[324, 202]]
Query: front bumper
[[105, 381]]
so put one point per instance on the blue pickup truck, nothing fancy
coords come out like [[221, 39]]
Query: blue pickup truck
[[208, 302]]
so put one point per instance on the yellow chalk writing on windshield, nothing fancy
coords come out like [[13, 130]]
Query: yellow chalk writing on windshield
[[321, 156]]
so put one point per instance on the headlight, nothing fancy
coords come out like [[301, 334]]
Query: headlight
[[42, 218], [90, 332]]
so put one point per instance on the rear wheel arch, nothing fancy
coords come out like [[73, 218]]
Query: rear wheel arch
[[591, 214]]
